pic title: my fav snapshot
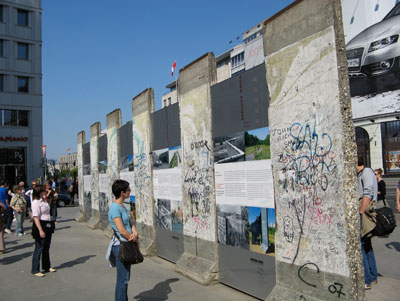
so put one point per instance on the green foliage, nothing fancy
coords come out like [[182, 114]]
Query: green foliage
[[251, 140], [64, 172]]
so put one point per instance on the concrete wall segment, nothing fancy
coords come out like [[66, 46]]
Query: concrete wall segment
[[113, 147], [298, 21], [142, 107], [312, 150], [95, 131], [80, 217]]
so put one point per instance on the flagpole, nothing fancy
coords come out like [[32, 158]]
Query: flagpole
[[176, 85]]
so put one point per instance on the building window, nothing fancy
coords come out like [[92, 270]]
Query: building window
[[237, 60], [1, 82], [1, 14], [22, 17], [23, 51], [165, 102], [13, 118], [169, 101], [23, 84], [2, 48], [10, 117], [22, 118]]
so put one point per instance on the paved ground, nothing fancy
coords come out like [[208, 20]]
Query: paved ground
[[78, 253]]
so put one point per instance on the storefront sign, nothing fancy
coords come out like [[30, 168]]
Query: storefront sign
[[13, 138]]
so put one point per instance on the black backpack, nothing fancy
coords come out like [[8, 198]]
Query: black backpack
[[385, 221]]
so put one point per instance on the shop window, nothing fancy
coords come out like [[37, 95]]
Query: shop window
[[10, 117], [22, 118], [22, 17], [391, 146], [1, 82]]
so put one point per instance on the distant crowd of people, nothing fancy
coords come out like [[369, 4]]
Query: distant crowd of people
[[39, 205]]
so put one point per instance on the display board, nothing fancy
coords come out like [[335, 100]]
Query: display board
[[243, 182], [167, 182], [87, 180]]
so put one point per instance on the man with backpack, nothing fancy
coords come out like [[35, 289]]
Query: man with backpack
[[368, 195]]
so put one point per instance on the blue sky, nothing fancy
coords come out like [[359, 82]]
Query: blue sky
[[98, 55], [254, 212], [260, 133]]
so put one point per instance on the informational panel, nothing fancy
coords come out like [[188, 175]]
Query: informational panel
[[87, 180], [243, 182], [104, 181], [167, 182]]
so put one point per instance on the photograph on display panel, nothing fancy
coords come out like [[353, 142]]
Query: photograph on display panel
[[175, 157], [103, 167], [126, 163], [161, 158], [162, 211], [229, 148], [233, 226], [257, 144], [177, 216]]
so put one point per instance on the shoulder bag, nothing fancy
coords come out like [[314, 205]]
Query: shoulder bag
[[385, 221], [129, 252]]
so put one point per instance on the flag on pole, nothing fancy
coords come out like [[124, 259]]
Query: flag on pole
[[68, 150], [173, 68], [44, 150]]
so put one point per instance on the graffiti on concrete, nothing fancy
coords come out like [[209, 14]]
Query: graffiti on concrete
[[94, 158], [142, 168]]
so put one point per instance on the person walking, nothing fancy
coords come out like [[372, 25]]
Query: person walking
[[368, 194], [2, 228], [4, 199], [42, 231], [381, 188], [18, 204], [119, 219], [51, 198]]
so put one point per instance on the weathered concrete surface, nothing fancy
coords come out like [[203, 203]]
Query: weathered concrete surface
[[95, 221], [200, 257], [113, 153], [142, 107], [80, 217], [313, 155]]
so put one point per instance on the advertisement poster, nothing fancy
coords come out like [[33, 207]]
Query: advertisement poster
[[394, 161], [167, 185], [373, 52], [130, 203], [244, 191]]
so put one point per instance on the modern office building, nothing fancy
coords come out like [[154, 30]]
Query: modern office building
[[21, 135]]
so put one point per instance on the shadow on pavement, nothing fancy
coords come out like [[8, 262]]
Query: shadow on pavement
[[70, 264], [25, 245], [65, 220], [393, 244], [62, 228], [15, 258], [158, 293]]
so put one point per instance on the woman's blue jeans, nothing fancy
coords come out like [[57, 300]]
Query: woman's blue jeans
[[19, 217], [42, 249], [123, 276]]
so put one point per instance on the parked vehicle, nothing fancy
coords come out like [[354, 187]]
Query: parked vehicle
[[63, 200], [373, 56]]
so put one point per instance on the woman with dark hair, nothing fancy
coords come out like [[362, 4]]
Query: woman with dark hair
[[381, 188], [42, 231], [120, 221]]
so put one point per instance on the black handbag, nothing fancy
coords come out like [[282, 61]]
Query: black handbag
[[385, 221], [129, 252]]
